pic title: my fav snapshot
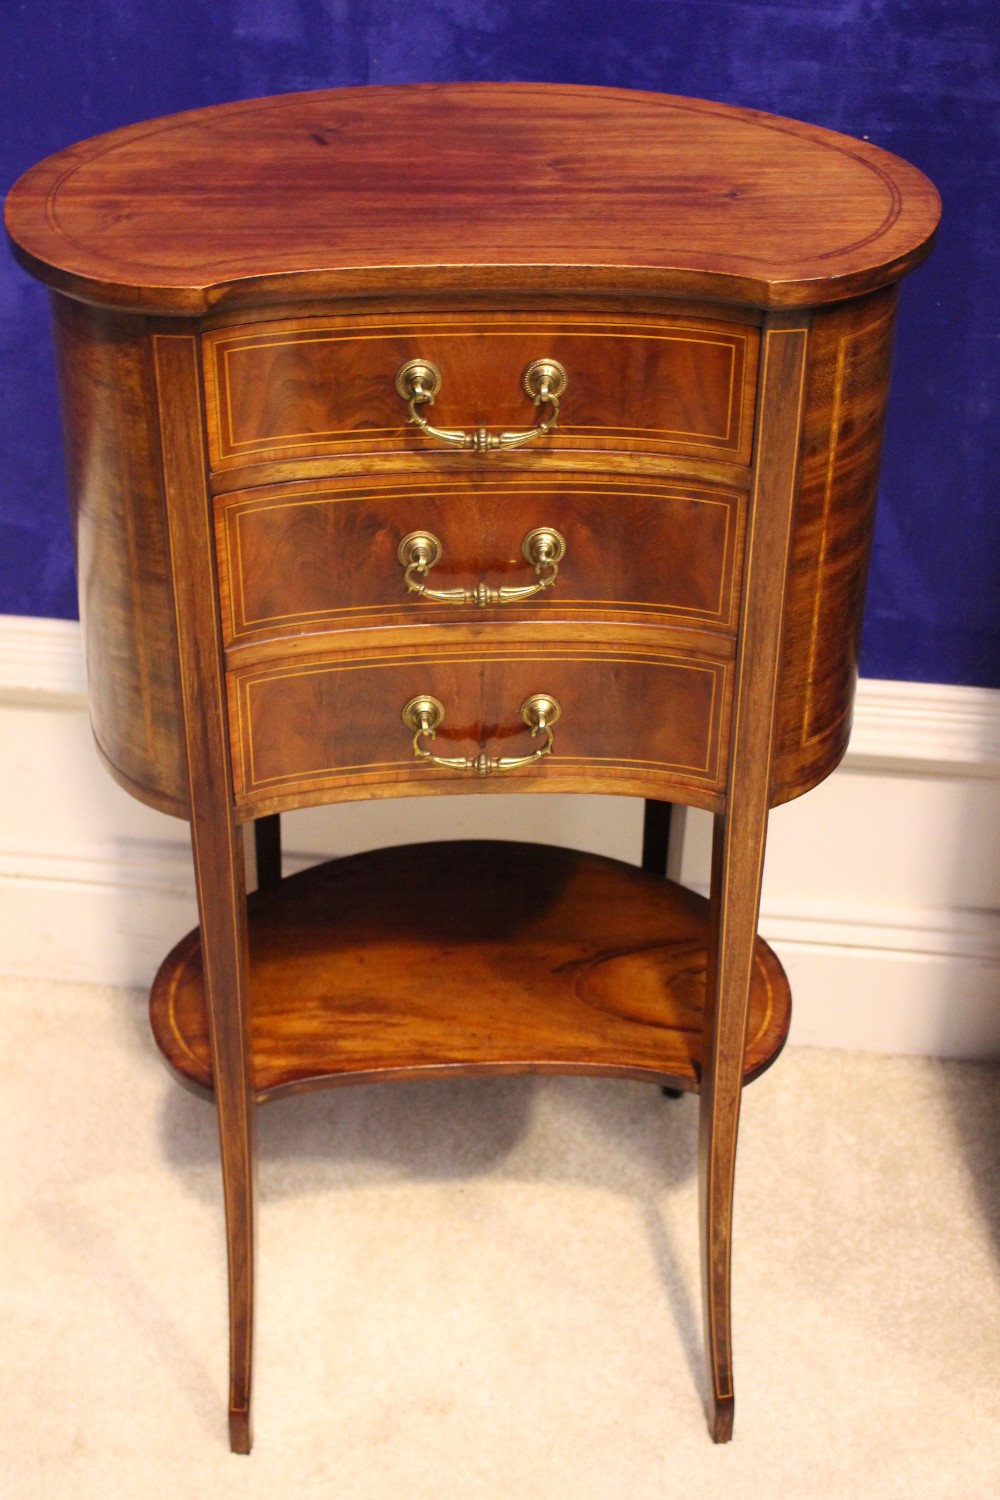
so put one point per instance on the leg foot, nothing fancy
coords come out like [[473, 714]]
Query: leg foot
[[240, 1436], [217, 839], [720, 1420]]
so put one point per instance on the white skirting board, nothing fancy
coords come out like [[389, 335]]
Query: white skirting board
[[881, 893]]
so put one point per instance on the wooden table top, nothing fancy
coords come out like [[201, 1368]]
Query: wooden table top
[[470, 187]]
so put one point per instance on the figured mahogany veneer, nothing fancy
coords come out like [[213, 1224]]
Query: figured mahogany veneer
[[316, 387], [235, 291], [297, 560], [497, 958], [651, 721], [111, 426]]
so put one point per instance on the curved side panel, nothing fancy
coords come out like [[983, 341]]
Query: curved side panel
[[850, 351], [141, 793], [122, 569]]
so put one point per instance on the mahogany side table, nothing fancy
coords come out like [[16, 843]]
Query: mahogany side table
[[472, 438]]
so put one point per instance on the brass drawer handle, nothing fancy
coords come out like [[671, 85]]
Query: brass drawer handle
[[423, 714], [544, 548], [418, 382]]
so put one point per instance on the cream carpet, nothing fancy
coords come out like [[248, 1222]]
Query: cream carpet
[[487, 1289]]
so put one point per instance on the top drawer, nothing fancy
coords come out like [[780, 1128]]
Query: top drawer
[[326, 387]]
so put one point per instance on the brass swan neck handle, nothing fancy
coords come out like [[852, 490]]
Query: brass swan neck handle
[[418, 382], [544, 548], [423, 715]]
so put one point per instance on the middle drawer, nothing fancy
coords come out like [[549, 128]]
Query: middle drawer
[[302, 560]]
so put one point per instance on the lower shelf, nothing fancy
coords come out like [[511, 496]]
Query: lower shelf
[[472, 957]]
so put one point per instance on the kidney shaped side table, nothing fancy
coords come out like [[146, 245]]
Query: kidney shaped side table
[[471, 438]]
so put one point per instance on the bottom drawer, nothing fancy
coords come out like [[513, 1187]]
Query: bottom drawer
[[318, 731]]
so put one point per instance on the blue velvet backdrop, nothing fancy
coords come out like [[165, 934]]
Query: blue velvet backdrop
[[921, 77]]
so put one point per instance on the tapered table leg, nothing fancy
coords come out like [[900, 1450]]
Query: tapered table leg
[[267, 846], [655, 836], [737, 863], [740, 832], [216, 838], [219, 871], [656, 824]]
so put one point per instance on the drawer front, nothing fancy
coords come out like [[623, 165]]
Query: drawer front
[[302, 732], [297, 560], [312, 388]]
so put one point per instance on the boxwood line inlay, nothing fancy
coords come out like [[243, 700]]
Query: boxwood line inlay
[[718, 287]]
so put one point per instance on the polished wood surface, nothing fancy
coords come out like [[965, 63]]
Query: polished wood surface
[[740, 833], [376, 190], [127, 613], [301, 387], [721, 287], [303, 731], [216, 840], [498, 958], [295, 560], [850, 356], [123, 573]]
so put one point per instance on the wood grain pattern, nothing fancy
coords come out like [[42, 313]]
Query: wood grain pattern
[[428, 462], [740, 834], [111, 437], [216, 840], [300, 387], [112, 456], [495, 958], [253, 651], [329, 725], [299, 559], [850, 355], [547, 187]]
